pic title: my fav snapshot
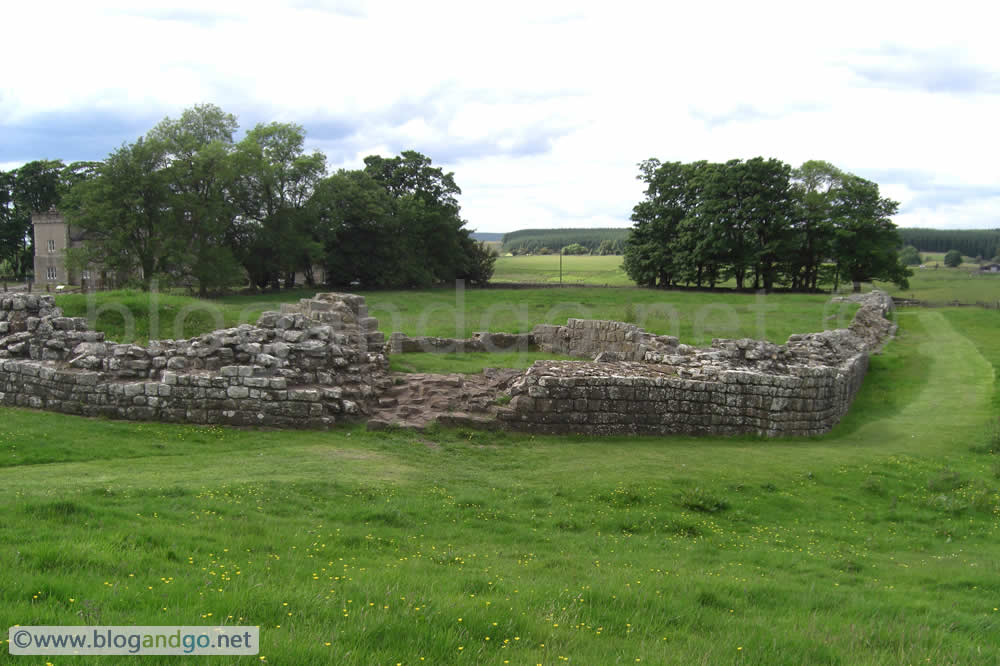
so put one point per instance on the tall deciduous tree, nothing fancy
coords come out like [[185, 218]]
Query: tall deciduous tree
[[273, 181], [653, 255], [354, 214], [866, 242], [125, 211], [198, 171]]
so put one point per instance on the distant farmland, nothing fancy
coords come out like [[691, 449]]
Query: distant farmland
[[545, 241]]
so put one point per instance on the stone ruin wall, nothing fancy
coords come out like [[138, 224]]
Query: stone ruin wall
[[320, 361], [654, 385], [309, 365]]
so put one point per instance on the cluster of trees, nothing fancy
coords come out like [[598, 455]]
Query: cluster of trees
[[187, 203], [983, 243], [551, 241], [761, 223]]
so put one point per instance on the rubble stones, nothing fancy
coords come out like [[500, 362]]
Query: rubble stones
[[246, 375]]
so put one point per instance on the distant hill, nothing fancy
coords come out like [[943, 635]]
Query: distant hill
[[486, 236], [983, 243], [533, 241]]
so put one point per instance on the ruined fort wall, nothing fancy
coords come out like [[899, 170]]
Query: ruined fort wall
[[734, 387], [307, 366]]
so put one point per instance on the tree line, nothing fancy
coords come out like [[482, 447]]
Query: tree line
[[187, 203], [760, 223], [551, 241], [982, 243]]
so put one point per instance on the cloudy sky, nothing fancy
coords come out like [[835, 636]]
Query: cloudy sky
[[542, 109]]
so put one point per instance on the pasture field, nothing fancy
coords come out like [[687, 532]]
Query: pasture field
[[694, 317], [876, 544], [576, 269], [964, 284], [941, 285]]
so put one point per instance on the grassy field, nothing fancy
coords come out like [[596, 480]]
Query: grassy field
[[876, 544], [694, 317], [941, 285], [576, 269], [964, 284]]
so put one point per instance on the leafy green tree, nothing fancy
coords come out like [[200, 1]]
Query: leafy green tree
[[575, 248], [814, 186], [125, 210], [866, 242], [198, 170], [651, 257], [425, 201], [15, 228], [606, 247], [909, 256], [353, 214], [953, 259], [427, 221], [480, 262], [273, 181]]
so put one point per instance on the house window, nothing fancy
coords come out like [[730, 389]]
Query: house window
[[51, 272], [85, 275], [52, 246]]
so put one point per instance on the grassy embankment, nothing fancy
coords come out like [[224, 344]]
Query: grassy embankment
[[964, 283], [875, 544]]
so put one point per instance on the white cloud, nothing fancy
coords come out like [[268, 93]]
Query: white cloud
[[541, 109]]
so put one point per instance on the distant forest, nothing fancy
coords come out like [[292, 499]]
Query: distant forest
[[550, 241], [983, 243]]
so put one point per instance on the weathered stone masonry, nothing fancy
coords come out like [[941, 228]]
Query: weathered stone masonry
[[306, 366], [321, 360], [803, 387]]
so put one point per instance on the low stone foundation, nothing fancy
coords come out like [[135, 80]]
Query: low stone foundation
[[306, 366], [734, 387], [321, 360]]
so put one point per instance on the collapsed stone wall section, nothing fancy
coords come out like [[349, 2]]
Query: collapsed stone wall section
[[733, 387], [306, 366]]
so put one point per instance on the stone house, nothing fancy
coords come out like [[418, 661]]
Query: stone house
[[53, 236]]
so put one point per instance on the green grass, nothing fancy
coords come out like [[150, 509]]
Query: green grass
[[135, 316], [576, 269], [876, 544], [694, 317], [964, 284], [980, 328], [467, 363]]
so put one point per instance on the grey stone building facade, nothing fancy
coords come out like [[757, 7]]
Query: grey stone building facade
[[53, 236]]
